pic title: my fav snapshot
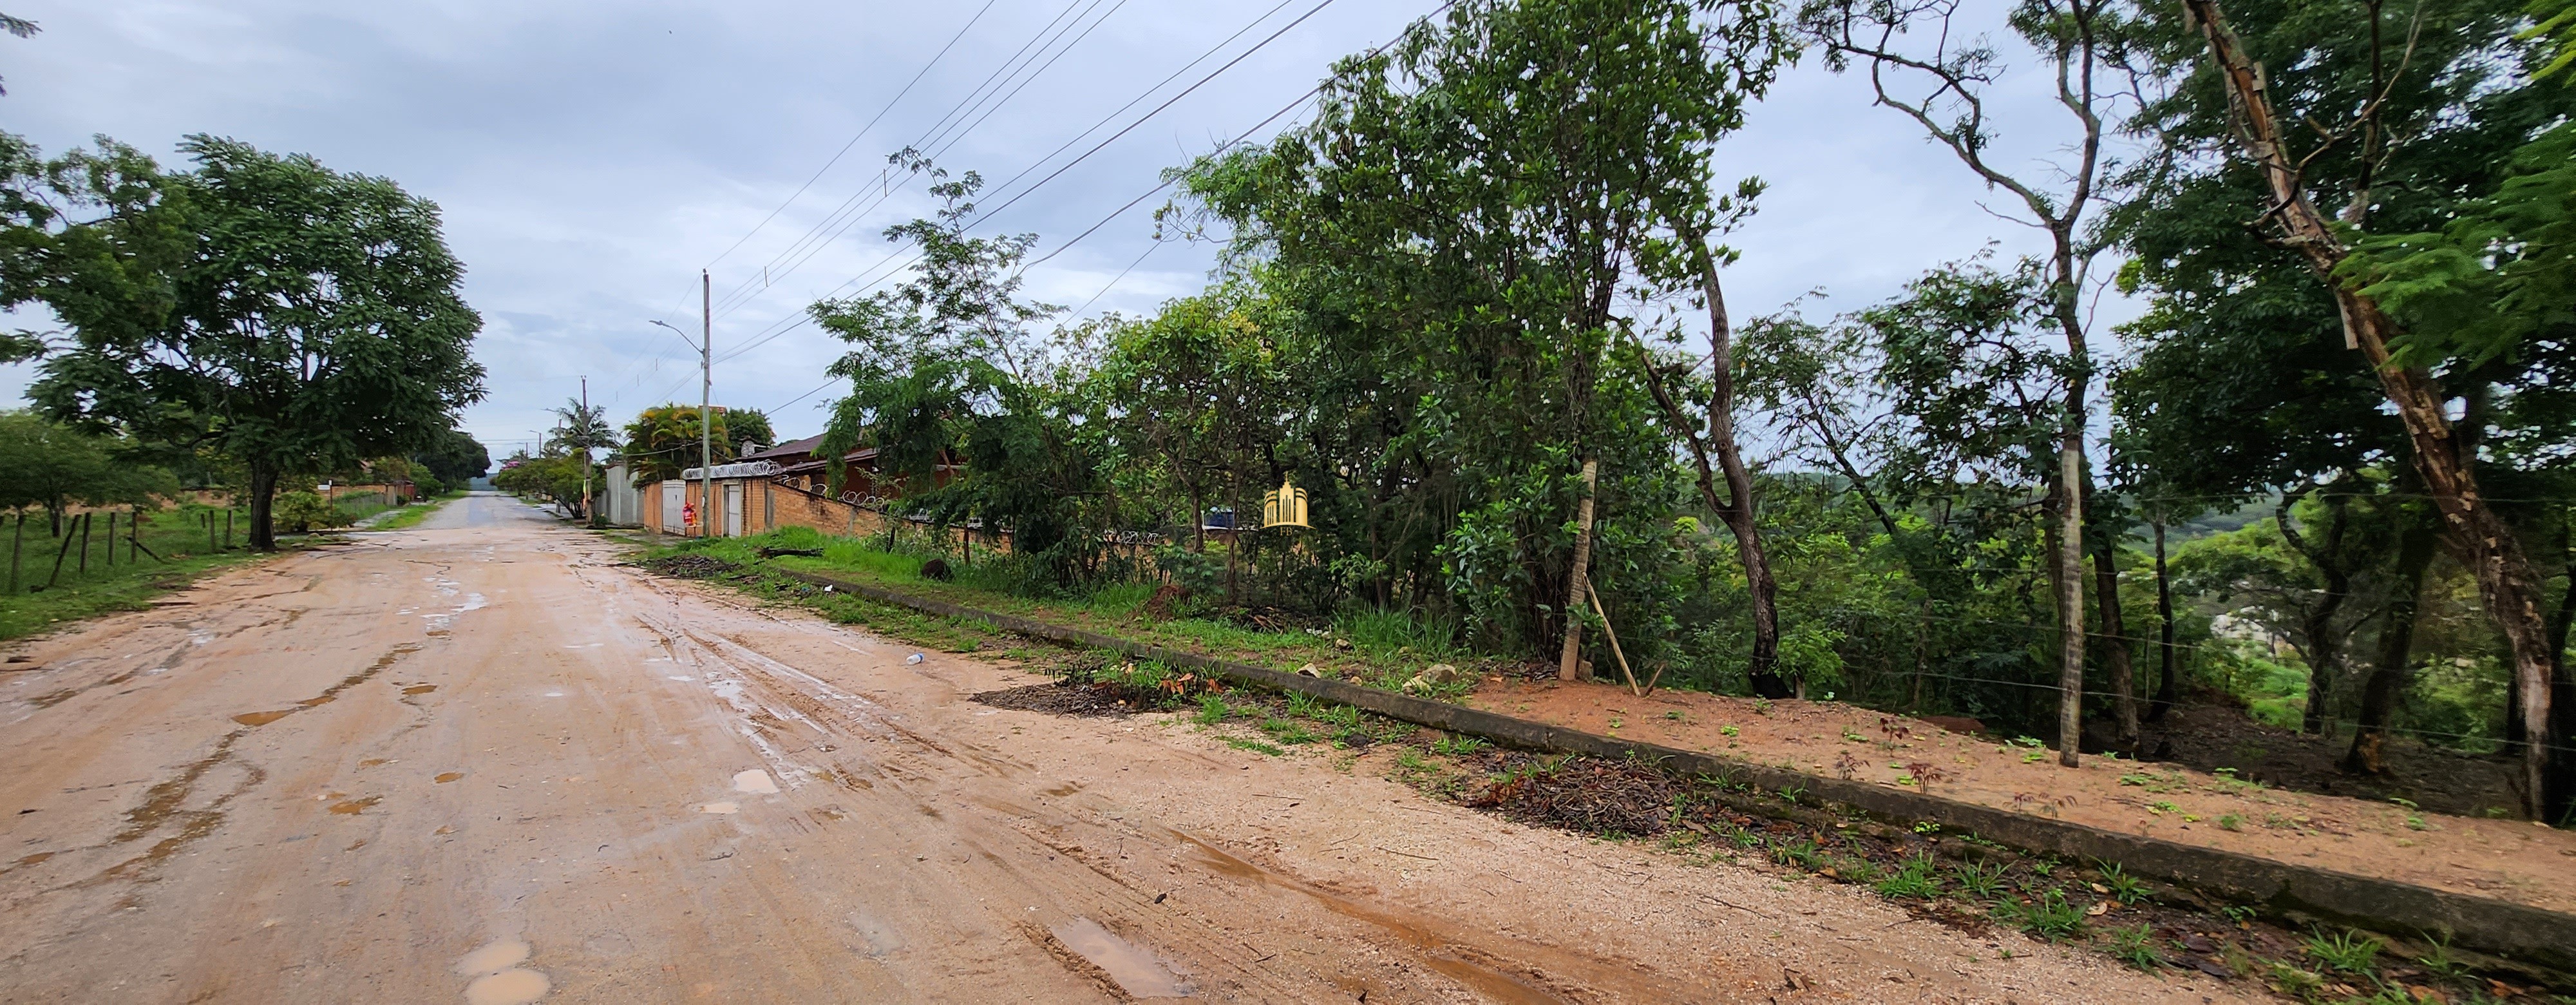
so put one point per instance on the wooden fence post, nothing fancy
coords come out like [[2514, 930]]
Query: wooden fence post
[[1579, 584], [17, 542]]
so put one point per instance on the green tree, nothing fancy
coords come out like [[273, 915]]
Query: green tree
[[1942, 78], [581, 429], [951, 387], [1460, 236], [663, 440], [2301, 127], [44, 463], [456, 458], [284, 315]]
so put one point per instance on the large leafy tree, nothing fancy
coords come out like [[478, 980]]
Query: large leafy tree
[[2300, 129], [1465, 230], [283, 315]]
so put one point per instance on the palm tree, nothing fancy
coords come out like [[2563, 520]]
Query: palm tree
[[582, 429]]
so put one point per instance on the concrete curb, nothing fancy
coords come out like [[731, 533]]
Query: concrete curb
[[2532, 937]]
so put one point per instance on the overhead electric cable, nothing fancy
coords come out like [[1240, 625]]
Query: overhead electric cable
[[855, 137], [845, 217]]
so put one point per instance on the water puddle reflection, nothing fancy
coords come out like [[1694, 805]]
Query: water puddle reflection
[[1135, 970]]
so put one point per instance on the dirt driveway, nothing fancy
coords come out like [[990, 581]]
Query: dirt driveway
[[481, 761]]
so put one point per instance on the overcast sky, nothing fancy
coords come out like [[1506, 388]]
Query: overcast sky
[[592, 157]]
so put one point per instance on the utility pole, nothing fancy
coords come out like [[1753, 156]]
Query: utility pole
[[591, 518], [706, 400]]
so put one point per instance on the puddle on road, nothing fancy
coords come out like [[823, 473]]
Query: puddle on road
[[1492, 983], [36, 858], [420, 689], [754, 781], [355, 806], [498, 978], [310, 702], [719, 808], [493, 958], [1135, 970], [262, 718], [445, 777]]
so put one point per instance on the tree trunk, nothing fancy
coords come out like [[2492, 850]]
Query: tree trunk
[[263, 493], [2168, 686], [2390, 667], [1738, 510], [2507, 581], [1578, 581], [2124, 684], [2319, 639]]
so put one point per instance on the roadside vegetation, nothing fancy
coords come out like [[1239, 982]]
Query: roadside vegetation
[[1472, 308], [1958, 880], [92, 523]]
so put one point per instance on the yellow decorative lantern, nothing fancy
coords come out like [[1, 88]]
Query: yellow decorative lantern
[[1284, 508]]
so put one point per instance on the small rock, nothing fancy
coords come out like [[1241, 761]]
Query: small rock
[[1443, 673], [1342, 644], [1309, 670]]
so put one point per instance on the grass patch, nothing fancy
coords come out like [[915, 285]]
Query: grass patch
[[411, 516], [179, 536]]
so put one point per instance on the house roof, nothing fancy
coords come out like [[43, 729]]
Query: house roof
[[782, 451]]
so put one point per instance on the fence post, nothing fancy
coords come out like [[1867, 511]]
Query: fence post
[[86, 520], [111, 543], [17, 542]]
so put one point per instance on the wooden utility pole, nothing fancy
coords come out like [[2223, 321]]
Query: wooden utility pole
[[2070, 599], [706, 405], [1578, 585]]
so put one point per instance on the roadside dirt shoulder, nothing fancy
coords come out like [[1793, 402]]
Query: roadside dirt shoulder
[[2507, 860]]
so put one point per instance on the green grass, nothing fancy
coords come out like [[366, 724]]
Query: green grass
[[412, 515], [177, 535], [1387, 648]]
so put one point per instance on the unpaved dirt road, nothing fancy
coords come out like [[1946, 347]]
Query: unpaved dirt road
[[480, 761]]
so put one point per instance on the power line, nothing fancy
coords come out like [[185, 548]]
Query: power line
[[786, 325], [855, 137], [974, 99]]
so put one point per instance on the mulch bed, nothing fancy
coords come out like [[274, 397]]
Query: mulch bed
[[1064, 697], [687, 566]]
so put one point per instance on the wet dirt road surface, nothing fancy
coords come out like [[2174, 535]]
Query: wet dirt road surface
[[482, 761]]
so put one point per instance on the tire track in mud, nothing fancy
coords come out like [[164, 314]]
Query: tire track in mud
[[167, 800], [998, 830], [1004, 833]]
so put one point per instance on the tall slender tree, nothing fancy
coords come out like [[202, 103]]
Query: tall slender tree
[[1944, 86]]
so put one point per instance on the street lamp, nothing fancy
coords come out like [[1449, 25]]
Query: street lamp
[[706, 411]]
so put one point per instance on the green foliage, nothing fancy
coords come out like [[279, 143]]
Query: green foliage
[[455, 458], [48, 464], [299, 512], [665, 440], [2047, 915], [282, 315], [2348, 952], [1981, 880], [1917, 879], [2135, 946]]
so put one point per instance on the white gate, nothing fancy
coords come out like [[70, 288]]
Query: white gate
[[733, 509], [671, 503]]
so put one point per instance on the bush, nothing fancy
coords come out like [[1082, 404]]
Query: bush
[[300, 512], [428, 485]]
